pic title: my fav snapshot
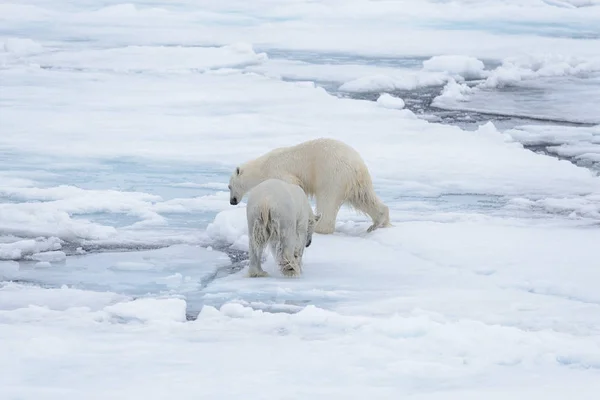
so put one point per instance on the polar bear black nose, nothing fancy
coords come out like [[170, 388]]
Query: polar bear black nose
[[233, 201], [308, 243]]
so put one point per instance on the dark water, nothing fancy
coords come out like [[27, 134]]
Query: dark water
[[419, 101]]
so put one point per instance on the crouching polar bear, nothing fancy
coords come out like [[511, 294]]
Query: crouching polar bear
[[279, 215], [330, 170]]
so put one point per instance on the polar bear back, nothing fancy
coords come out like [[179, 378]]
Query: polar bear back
[[286, 200], [314, 165]]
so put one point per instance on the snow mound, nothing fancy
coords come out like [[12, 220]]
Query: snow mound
[[49, 256], [453, 91], [57, 211], [303, 72], [30, 247], [214, 202], [541, 86], [21, 46], [386, 100], [579, 143], [43, 264], [153, 58], [387, 83], [573, 3], [207, 185], [574, 207], [31, 219], [516, 69], [150, 310], [14, 296], [464, 66], [231, 227], [535, 134]]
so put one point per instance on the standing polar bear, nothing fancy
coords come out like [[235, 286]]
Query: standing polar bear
[[279, 214], [330, 170]]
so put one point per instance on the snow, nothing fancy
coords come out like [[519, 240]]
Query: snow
[[467, 67], [585, 206], [44, 264], [166, 271], [49, 256], [500, 323], [15, 296], [453, 91], [514, 70], [528, 88], [265, 117], [388, 101], [20, 46], [209, 185], [581, 143], [123, 266], [329, 69], [49, 211], [149, 310], [379, 83], [227, 226], [20, 248], [142, 58]]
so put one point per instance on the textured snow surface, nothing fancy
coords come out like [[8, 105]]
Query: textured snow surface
[[123, 266]]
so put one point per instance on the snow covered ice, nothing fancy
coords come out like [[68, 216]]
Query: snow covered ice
[[122, 264]]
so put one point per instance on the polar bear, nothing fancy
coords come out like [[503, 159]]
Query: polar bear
[[328, 169], [279, 214]]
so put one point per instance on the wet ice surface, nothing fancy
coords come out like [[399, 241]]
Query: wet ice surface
[[169, 260], [122, 264]]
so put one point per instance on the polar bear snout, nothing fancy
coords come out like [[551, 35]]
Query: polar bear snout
[[308, 242], [234, 193]]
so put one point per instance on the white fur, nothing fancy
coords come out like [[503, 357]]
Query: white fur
[[330, 170], [279, 214]]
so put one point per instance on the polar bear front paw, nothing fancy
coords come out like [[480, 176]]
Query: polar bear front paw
[[289, 271], [257, 273], [372, 228]]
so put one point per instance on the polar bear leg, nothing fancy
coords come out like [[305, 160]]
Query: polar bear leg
[[380, 214], [367, 201], [328, 207], [301, 237], [255, 270], [299, 251], [285, 250], [256, 250]]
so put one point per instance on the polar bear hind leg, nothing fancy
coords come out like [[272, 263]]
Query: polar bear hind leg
[[285, 248], [366, 201], [301, 238], [328, 206], [258, 241]]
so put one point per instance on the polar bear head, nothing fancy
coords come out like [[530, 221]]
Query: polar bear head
[[237, 189], [312, 222], [240, 182]]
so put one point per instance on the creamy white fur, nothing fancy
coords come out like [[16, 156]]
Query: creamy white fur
[[330, 170], [279, 214]]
